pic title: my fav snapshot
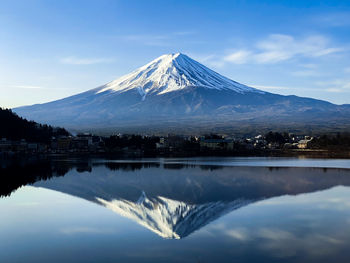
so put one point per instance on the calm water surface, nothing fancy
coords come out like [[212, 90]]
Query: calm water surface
[[176, 210]]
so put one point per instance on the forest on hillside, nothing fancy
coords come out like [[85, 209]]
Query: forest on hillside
[[14, 127]]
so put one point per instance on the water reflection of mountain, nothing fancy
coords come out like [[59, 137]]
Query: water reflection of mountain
[[172, 200]]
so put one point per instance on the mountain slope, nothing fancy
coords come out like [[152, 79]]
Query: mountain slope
[[176, 91]]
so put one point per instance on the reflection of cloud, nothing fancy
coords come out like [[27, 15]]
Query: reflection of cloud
[[285, 244], [238, 233], [28, 204], [274, 234], [84, 230], [315, 227], [282, 244]]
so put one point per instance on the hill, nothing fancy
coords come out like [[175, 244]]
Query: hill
[[14, 127]]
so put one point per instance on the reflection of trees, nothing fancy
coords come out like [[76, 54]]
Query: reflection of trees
[[17, 175], [132, 166], [21, 173], [177, 166], [211, 167]]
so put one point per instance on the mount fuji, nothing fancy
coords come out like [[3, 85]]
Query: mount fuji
[[175, 93]]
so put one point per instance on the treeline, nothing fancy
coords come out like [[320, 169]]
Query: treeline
[[332, 142], [135, 141], [14, 127], [276, 137]]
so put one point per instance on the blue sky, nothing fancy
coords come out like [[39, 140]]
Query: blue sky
[[52, 49]]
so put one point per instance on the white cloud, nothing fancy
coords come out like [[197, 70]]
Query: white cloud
[[336, 86], [209, 60], [309, 66], [84, 61], [336, 19], [266, 87], [149, 40], [27, 87], [334, 90], [278, 47], [271, 57], [238, 57], [305, 73], [159, 40]]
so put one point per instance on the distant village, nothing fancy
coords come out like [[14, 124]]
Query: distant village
[[138, 146]]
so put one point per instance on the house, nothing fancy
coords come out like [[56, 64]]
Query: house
[[64, 143], [217, 144], [304, 144], [5, 145]]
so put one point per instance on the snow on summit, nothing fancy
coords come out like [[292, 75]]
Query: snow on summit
[[173, 72]]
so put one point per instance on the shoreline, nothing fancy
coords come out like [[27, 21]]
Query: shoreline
[[301, 153]]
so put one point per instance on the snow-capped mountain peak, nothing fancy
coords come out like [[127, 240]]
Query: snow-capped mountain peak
[[170, 73]]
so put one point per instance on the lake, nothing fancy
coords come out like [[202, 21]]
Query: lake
[[175, 210]]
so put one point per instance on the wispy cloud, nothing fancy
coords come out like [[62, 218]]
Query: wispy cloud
[[268, 88], [239, 57], [335, 86], [85, 230], [278, 47], [211, 60], [183, 33], [238, 233], [306, 73], [27, 87], [335, 90], [336, 19], [309, 66], [149, 40], [158, 40], [84, 61]]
